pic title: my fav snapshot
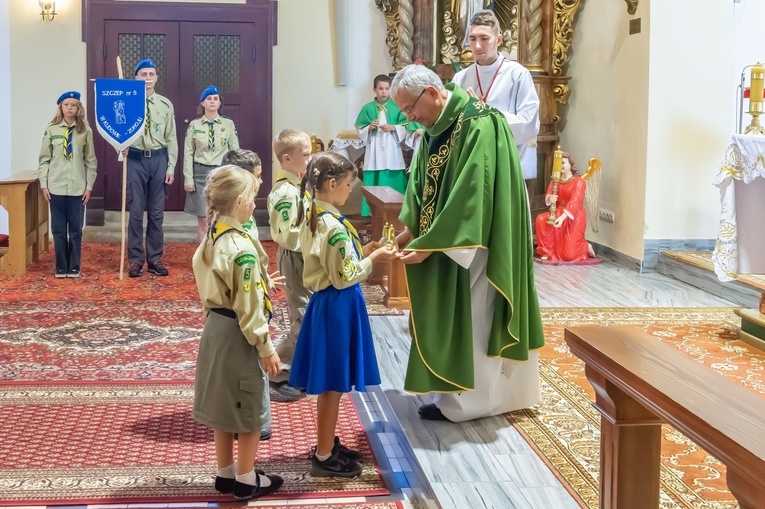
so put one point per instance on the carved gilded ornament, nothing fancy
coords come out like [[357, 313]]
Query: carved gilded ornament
[[390, 8], [632, 6], [563, 33]]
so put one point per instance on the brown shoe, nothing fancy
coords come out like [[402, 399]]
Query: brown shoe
[[135, 270], [158, 269]]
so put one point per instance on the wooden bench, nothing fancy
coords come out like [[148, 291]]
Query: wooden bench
[[639, 384], [385, 204], [27, 209]]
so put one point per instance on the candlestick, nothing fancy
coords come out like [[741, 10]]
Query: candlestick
[[557, 168], [756, 85]]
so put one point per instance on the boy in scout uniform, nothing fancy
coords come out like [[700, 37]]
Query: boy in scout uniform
[[208, 138], [293, 150], [151, 166]]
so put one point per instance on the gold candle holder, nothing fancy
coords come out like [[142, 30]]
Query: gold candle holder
[[557, 168], [756, 86]]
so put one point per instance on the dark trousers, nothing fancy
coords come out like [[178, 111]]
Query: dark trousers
[[146, 192], [66, 217]]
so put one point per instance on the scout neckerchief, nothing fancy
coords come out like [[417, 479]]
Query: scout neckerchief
[[478, 79], [218, 230], [211, 135], [348, 226], [68, 141], [281, 177]]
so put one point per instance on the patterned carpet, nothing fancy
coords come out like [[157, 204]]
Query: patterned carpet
[[564, 428], [100, 280], [73, 443], [95, 392], [703, 259]]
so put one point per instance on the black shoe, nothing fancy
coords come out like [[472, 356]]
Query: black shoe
[[244, 491], [265, 434], [348, 453], [336, 465], [286, 390], [60, 274], [431, 412], [135, 270], [73, 273], [224, 484], [158, 269]]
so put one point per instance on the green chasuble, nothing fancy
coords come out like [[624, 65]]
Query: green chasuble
[[466, 190], [371, 112]]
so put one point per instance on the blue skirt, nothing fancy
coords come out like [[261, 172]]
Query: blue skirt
[[335, 351]]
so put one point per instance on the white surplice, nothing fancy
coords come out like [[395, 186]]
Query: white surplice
[[513, 94], [383, 150]]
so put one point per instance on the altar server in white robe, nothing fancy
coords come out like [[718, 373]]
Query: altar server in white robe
[[504, 84]]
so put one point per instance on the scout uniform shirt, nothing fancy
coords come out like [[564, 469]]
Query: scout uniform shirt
[[159, 129], [333, 255], [228, 276], [252, 230], [283, 201], [62, 174], [207, 141]]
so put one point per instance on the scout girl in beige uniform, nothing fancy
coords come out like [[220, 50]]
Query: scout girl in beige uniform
[[236, 355]]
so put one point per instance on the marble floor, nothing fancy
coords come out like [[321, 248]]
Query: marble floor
[[483, 463]]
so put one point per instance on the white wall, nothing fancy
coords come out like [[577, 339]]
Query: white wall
[[607, 115], [5, 91], [690, 116], [305, 93]]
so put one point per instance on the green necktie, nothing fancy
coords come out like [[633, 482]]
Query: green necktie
[[68, 147], [147, 124], [211, 135]]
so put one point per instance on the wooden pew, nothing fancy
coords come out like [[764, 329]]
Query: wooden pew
[[639, 384], [27, 209], [385, 205]]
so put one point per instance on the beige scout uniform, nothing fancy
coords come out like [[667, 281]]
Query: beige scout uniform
[[207, 141], [159, 131], [231, 388], [252, 229], [330, 255], [61, 175], [283, 202]]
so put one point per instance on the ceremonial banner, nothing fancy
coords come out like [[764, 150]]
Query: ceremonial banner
[[120, 110]]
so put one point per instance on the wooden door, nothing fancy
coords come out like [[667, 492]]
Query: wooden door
[[225, 55]]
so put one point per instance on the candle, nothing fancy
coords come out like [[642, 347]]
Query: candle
[[756, 88], [557, 167]]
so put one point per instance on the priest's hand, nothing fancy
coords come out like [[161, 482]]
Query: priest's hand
[[375, 124], [414, 256], [388, 128], [559, 222], [471, 92], [418, 133], [404, 238]]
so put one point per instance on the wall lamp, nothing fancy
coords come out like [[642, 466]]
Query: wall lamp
[[47, 10]]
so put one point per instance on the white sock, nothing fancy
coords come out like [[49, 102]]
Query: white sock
[[250, 478], [323, 457], [229, 472]]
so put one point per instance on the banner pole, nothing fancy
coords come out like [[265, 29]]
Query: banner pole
[[124, 195]]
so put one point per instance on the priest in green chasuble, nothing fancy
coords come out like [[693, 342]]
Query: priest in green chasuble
[[467, 246]]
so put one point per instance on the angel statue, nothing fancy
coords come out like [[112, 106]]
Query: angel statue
[[560, 232]]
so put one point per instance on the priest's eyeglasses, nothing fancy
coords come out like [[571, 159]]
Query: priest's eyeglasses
[[408, 110]]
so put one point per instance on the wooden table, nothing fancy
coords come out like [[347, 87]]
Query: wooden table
[[639, 384], [27, 209], [385, 204]]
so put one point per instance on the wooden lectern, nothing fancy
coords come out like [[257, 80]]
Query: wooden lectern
[[385, 205], [27, 209]]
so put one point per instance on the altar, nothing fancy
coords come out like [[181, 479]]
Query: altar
[[740, 246]]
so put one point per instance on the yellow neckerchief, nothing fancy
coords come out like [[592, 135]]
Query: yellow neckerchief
[[219, 229], [320, 211], [281, 177]]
